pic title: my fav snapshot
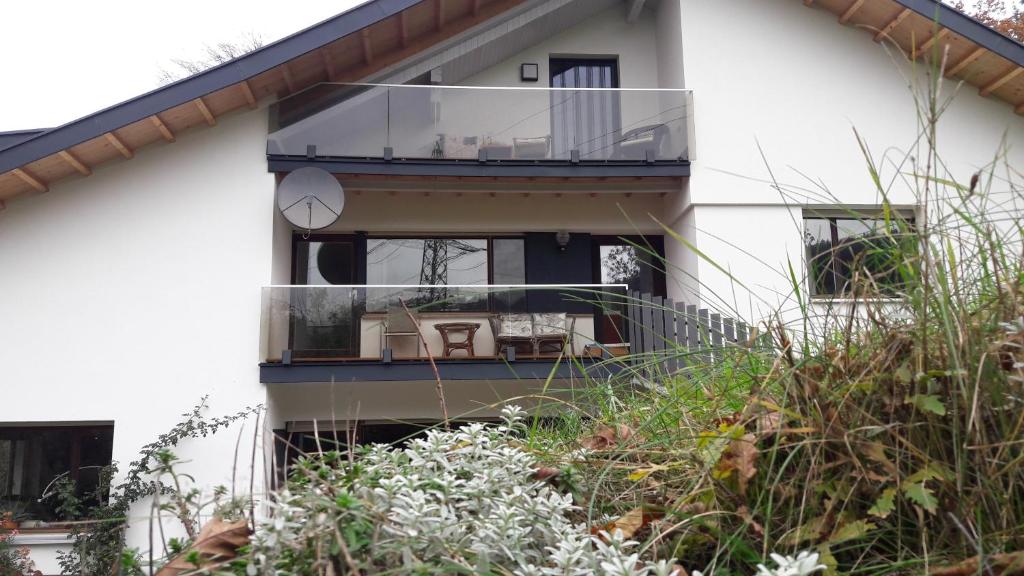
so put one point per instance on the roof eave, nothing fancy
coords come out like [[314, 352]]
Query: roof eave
[[201, 84]]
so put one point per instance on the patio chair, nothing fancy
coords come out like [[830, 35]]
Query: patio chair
[[397, 323], [512, 331], [531, 148], [553, 333], [634, 143]]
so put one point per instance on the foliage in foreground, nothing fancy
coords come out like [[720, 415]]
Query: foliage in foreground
[[464, 501]]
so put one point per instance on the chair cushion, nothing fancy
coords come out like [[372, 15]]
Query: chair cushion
[[515, 325], [531, 147], [550, 324]]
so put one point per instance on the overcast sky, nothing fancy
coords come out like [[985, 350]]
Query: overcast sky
[[63, 59]]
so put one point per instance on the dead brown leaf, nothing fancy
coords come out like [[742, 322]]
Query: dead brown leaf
[[1009, 564], [755, 527], [606, 437], [217, 541], [546, 473], [629, 523], [740, 457]]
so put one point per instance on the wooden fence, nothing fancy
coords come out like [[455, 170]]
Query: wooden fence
[[675, 334]]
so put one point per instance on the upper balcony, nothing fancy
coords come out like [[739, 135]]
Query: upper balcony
[[485, 131]]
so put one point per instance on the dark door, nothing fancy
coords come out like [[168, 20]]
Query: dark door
[[325, 319], [584, 120], [635, 261]]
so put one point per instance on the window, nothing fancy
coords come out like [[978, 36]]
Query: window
[[35, 461], [426, 261], [849, 249], [441, 262]]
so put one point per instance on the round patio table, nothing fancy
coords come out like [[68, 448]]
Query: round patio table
[[448, 329]]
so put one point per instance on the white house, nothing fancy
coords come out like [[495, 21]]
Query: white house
[[480, 144]]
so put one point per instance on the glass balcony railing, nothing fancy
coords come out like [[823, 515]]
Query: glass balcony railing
[[338, 323], [486, 123]]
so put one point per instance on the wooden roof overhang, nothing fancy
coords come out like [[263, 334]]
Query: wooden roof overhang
[[346, 48], [927, 29], [380, 33]]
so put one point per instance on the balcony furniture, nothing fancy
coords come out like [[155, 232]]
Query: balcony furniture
[[532, 148], [634, 143], [397, 323], [497, 151], [512, 331], [543, 333], [552, 333], [453, 146], [448, 329]]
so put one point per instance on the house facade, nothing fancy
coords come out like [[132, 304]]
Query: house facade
[[504, 164]]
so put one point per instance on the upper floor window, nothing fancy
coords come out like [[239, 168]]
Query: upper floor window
[[846, 250], [52, 473]]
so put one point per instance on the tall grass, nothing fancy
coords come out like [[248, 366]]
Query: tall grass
[[887, 433]]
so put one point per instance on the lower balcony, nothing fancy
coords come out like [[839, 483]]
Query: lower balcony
[[405, 333]]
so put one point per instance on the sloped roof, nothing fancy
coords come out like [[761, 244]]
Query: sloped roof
[[347, 47], [927, 29], [379, 33]]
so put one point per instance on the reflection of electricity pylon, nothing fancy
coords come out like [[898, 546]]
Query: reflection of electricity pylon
[[434, 269]]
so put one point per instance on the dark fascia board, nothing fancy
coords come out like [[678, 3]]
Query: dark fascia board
[[188, 89], [968, 27], [376, 371], [12, 137], [493, 168]]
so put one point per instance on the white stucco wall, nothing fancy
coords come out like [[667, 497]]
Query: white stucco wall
[[129, 295], [795, 89], [607, 33]]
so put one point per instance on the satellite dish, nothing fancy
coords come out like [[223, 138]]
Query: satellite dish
[[310, 198]]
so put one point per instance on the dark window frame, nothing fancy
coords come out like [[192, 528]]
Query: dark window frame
[[79, 434]]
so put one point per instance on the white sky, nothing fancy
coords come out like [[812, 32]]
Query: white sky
[[63, 59]]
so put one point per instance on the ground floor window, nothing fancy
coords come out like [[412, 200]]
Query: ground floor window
[[53, 473], [846, 249]]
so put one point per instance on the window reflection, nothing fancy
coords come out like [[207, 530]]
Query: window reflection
[[435, 264], [842, 252]]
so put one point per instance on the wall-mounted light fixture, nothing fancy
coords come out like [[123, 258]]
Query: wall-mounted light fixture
[[562, 237], [529, 72]]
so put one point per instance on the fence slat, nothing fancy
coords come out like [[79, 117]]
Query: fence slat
[[692, 330], [647, 328], [716, 336], [681, 336], [658, 324], [741, 332], [671, 347], [633, 318], [704, 329], [729, 329]]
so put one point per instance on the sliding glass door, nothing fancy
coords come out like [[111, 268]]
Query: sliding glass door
[[585, 120]]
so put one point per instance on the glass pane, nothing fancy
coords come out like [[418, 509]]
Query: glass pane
[[509, 261], [430, 262], [624, 264], [509, 268], [818, 245], [444, 122], [865, 249], [34, 462], [328, 263]]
